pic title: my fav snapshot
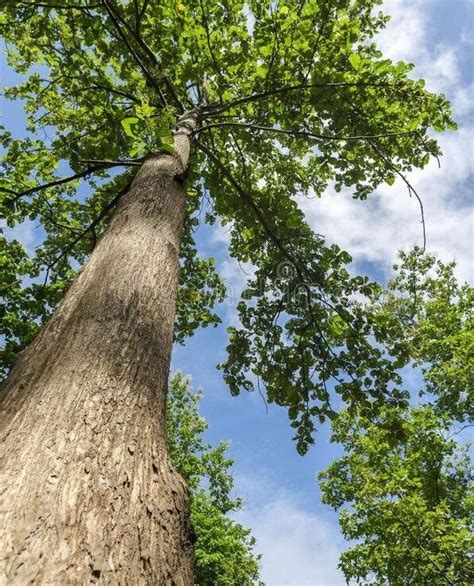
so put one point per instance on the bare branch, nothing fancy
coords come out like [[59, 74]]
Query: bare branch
[[57, 6], [117, 91], [411, 189], [123, 163]]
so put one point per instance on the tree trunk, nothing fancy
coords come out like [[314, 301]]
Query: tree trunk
[[87, 491]]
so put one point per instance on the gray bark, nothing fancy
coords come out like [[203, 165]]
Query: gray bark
[[87, 491]]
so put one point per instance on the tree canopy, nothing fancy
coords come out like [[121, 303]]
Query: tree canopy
[[292, 97], [405, 490]]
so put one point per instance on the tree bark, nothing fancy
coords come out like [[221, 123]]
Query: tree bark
[[87, 491]]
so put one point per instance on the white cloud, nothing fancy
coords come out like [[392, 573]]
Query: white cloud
[[462, 100], [405, 36], [298, 546], [375, 229], [466, 35], [234, 274], [408, 37]]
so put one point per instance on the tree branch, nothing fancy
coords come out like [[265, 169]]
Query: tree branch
[[124, 163], [425, 553], [245, 196], [278, 242], [93, 169], [301, 133], [208, 40], [105, 210], [411, 189], [57, 6], [137, 36], [114, 18], [215, 109], [113, 90], [143, 10]]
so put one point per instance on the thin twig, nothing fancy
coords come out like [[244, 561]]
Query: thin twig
[[277, 241], [57, 6], [411, 189]]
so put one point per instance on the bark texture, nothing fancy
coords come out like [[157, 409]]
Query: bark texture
[[87, 492]]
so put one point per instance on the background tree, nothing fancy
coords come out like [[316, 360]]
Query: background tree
[[404, 490], [224, 548], [405, 483], [234, 106], [426, 318]]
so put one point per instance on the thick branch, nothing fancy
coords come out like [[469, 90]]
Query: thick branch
[[143, 10], [124, 163], [114, 17], [137, 36]]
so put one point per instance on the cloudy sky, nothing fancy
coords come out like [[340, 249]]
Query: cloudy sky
[[298, 537]]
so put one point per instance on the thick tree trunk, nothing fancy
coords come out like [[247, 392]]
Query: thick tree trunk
[[87, 491]]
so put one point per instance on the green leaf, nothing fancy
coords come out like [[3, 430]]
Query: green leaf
[[355, 60], [127, 124]]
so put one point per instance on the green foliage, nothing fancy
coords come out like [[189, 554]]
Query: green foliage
[[292, 98], [201, 288], [405, 482], [405, 490], [307, 338], [224, 548], [427, 317]]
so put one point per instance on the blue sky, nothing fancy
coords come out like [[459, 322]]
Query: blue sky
[[297, 535]]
